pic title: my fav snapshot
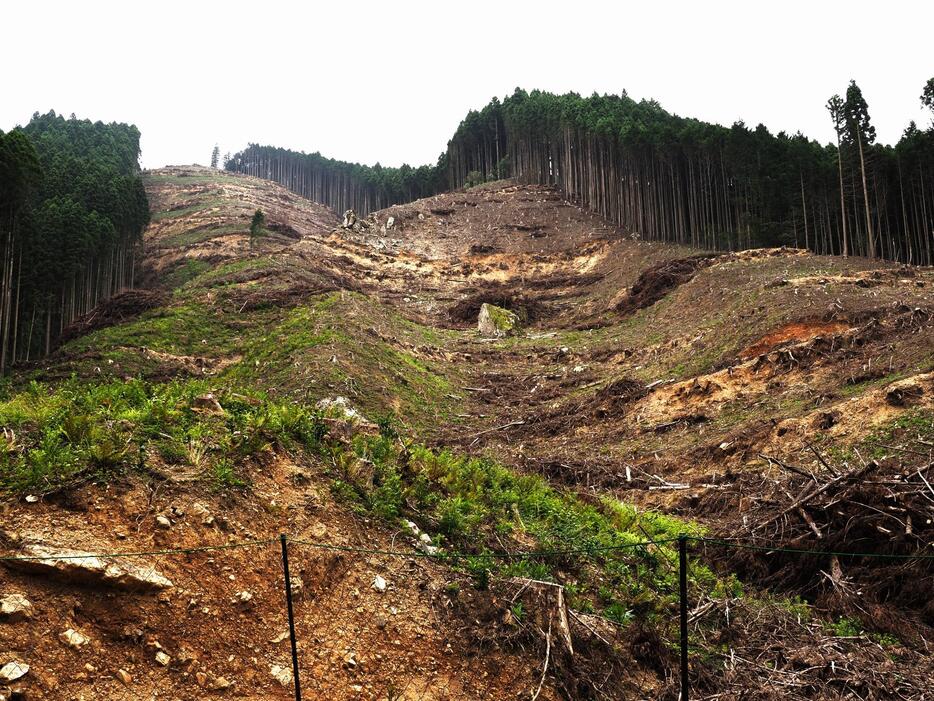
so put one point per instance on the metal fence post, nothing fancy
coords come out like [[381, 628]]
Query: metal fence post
[[683, 587], [288, 601]]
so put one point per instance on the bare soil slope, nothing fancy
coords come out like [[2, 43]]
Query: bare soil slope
[[771, 395]]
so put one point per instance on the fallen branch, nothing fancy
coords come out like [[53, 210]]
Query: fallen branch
[[812, 493], [495, 428], [547, 658]]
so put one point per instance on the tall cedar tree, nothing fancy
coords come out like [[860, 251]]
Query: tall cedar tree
[[863, 134], [215, 156], [835, 107], [927, 95]]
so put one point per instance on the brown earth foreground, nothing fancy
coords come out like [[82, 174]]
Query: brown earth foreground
[[773, 397]]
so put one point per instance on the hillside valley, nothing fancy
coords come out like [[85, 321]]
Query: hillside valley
[[473, 514]]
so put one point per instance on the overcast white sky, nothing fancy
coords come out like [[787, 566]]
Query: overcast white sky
[[389, 81]]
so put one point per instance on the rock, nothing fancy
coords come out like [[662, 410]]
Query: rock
[[220, 683], [342, 408], [163, 521], [15, 607], [73, 639], [84, 568], [243, 598], [379, 584], [425, 538], [350, 218], [496, 322], [283, 675], [124, 677], [163, 659], [201, 510], [31, 498], [207, 404], [390, 223], [297, 585], [12, 671]]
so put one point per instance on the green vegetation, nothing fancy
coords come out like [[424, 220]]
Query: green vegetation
[[338, 184], [760, 189], [845, 627], [72, 210], [479, 508], [75, 432], [186, 272], [257, 225], [914, 425]]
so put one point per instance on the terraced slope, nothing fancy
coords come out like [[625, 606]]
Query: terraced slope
[[770, 395]]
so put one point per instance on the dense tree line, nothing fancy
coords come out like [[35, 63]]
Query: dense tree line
[[339, 184], [72, 210], [665, 177], [676, 179]]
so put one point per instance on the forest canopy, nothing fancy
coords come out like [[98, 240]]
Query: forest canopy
[[665, 177], [339, 184], [670, 178], [72, 210]]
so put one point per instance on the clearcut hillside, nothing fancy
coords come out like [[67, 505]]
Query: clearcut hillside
[[329, 381]]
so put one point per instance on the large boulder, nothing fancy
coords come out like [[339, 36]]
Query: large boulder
[[496, 322], [86, 568]]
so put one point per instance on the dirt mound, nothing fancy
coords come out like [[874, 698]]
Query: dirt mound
[[203, 215], [119, 308], [527, 308], [794, 332], [660, 279]]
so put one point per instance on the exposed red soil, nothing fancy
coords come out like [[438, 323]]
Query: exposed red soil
[[794, 332]]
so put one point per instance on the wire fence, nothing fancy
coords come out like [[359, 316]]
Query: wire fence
[[298, 617]]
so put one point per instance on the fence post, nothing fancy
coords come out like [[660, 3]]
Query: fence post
[[288, 601], [683, 587]]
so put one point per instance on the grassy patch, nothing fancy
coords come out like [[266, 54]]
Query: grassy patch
[[191, 209], [188, 328], [193, 236], [856, 388], [75, 432], [186, 272], [480, 509]]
